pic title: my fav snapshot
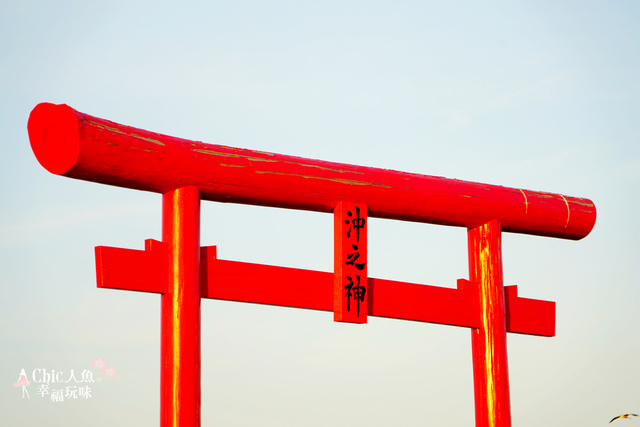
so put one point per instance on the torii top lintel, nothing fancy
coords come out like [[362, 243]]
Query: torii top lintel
[[70, 143]]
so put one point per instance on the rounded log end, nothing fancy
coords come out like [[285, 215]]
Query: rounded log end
[[581, 218], [589, 215], [53, 133]]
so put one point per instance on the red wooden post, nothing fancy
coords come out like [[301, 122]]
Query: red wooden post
[[180, 330], [489, 341]]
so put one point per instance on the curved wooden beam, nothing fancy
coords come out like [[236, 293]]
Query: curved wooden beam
[[77, 145]]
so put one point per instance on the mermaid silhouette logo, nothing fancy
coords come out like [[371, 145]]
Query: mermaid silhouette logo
[[22, 381]]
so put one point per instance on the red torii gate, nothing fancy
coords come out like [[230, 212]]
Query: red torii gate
[[67, 142]]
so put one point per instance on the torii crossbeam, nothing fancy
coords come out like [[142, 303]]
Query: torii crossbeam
[[67, 142]]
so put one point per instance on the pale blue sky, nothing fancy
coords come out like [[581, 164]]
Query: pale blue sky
[[537, 95]]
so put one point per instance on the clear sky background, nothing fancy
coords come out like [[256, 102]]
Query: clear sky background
[[538, 95]]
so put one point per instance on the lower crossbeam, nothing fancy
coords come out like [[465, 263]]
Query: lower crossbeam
[[308, 289]]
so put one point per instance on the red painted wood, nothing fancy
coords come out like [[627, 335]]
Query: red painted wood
[[180, 310], [350, 263], [77, 145], [133, 270], [265, 284], [425, 303], [489, 341], [529, 316], [292, 287]]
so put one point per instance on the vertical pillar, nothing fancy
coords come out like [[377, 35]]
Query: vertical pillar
[[489, 341], [180, 330]]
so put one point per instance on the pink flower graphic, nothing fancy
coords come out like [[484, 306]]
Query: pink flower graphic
[[99, 363], [110, 372]]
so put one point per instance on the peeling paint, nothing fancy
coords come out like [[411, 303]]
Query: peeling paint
[[340, 180], [265, 153], [326, 168], [568, 211], [260, 159], [116, 130], [148, 150], [526, 202], [237, 156], [544, 195], [583, 202]]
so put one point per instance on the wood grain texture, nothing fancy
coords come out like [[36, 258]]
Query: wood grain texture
[[489, 340], [180, 310]]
